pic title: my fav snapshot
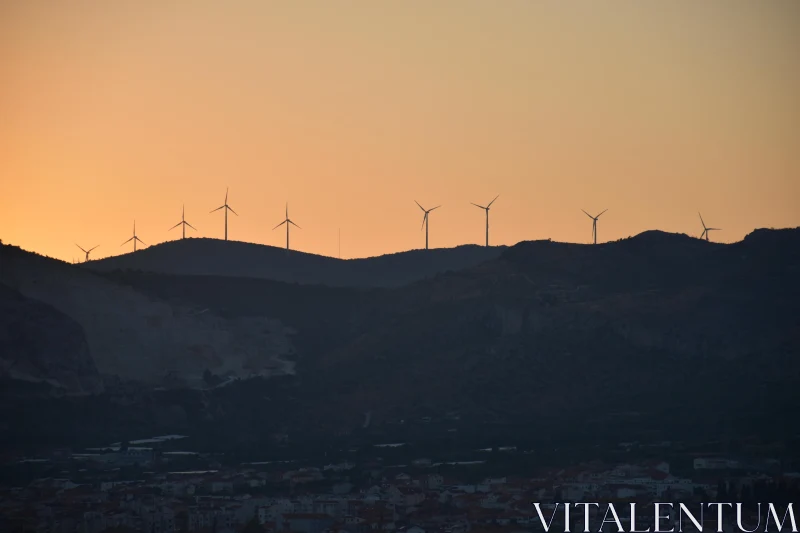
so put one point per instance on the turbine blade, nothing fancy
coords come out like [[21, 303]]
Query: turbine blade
[[279, 225], [295, 225], [217, 209], [232, 211], [424, 218], [490, 203], [482, 207], [226, 195], [175, 226], [588, 215], [604, 210], [90, 249], [714, 229], [190, 226], [82, 250], [437, 207], [701, 219], [416, 202], [126, 242], [140, 240]]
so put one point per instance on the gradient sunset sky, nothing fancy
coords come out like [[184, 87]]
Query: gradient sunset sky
[[112, 111]]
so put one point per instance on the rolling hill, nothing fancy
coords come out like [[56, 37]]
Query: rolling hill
[[213, 257]]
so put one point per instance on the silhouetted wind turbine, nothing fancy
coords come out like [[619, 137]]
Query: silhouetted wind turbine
[[183, 223], [425, 222], [227, 208], [705, 229], [486, 208], [286, 221], [85, 251], [134, 238], [594, 224]]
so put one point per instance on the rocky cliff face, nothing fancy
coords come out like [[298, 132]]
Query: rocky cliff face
[[40, 344], [145, 339]]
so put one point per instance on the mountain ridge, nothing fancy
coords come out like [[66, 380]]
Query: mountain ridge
[[204, 256]]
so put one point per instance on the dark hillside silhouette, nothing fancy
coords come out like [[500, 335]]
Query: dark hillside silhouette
[[673, 334], [212, 257]]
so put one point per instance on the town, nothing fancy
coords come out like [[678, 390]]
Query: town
[[132, 487]]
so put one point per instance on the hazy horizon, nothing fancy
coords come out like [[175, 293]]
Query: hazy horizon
[[351, 112]]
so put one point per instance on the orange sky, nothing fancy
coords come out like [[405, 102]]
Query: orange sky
[[351, 110]]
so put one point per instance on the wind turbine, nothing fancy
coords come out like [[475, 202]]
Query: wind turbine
[[286, 221], [184, 223], [227, 208], [134, 238], [425, 223], [486, 208], [86, 251], [594, 224], [705, 229]]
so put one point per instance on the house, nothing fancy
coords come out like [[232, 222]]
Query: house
[[159, 520], [661, 466], [304, 522], [576, 491], [624, 491], [210, 517], [406, 496], [714, 463], [327, 507], [131, 456], [434, 481], [222, 486], [342, 488], [340, 467]]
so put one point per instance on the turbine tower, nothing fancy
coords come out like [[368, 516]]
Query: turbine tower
[[594, 224], [135, 239], [705, 229], [486, 208], [227, 208], [425, 223], [287, 221], [85, 251], [184, 223]]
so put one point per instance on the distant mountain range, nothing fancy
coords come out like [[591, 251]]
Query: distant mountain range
[[213, 257], [659, 332]]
